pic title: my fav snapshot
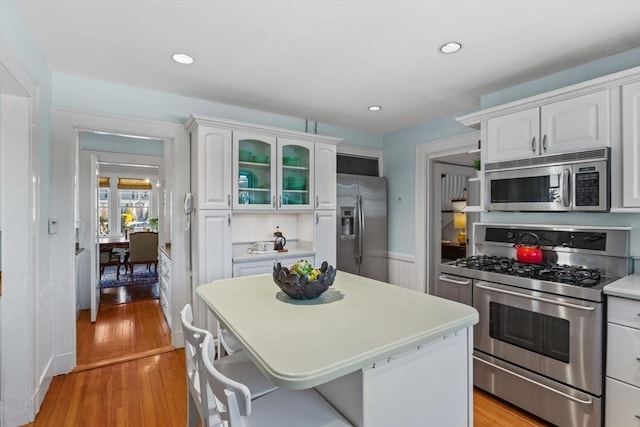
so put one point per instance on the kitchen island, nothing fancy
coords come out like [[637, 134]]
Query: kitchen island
[[381, 354]]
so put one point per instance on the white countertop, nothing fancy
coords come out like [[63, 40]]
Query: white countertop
[[300, 344], [244, 256], [626, 287]]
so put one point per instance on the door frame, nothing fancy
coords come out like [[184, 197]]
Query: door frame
[[427, 205], [66, 124]]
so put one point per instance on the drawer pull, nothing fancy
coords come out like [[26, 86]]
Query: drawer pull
[[638, 417]]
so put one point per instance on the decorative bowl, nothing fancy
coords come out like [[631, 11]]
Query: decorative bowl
[[290, 161], [245, 155], [260, 159], [298, 286], [296, 183]]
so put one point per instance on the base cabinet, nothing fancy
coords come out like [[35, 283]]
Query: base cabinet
[[251, 268], [622, 401], [164, 283], [399, 382]]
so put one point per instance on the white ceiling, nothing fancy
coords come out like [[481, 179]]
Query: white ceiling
[[328, 60]]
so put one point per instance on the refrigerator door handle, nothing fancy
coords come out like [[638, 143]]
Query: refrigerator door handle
[[360, 230]]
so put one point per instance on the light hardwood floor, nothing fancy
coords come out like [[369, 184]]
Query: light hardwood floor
[[133, 383]]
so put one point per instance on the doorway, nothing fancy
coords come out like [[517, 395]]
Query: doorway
[[117, 190], [453, 155], [65, 178]]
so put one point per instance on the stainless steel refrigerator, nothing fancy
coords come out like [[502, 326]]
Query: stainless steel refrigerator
[[362, 226]]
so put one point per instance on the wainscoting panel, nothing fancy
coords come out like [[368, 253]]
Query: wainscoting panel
[[402, 272]]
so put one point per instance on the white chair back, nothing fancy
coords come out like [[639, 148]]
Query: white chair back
[[198, 390], [233, 398]]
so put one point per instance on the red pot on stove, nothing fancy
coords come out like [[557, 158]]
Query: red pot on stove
[[531, 254]]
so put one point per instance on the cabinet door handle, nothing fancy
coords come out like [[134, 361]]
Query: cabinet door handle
[[229, 200], [280, 202], [317, 218], [229, 220], [544, 143], [274, 201], [317, 201], [533, 144]]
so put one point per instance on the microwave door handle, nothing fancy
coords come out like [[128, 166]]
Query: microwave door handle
[[566, 187]]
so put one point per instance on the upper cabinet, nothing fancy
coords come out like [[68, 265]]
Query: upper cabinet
[[575, 124], [325, 176], [254, 165], [211, 167], [631, 144], [246, 167]]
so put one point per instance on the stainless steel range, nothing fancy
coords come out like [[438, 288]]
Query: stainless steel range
[[539, 343]]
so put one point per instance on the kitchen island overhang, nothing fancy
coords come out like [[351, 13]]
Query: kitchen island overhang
[[362, 338], [359, 321]]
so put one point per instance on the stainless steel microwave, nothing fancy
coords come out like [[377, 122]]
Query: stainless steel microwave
[[562, 182]]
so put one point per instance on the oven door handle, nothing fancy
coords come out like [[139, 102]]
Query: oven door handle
[[456, 282], [535, 298], [589, 401]]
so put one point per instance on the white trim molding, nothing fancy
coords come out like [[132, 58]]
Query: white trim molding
[[426, 155], [402, 271]]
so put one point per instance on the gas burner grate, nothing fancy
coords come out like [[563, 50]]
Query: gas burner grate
[[567, 274]]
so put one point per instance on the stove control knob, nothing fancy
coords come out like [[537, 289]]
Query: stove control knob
[[511, 235]]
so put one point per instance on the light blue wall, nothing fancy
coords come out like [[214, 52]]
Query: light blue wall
[[591, 70], [13, 31], [93, 95], [399, 167], [399, 155]]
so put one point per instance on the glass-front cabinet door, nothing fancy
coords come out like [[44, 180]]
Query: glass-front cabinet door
[[295, 174], [254, 169]]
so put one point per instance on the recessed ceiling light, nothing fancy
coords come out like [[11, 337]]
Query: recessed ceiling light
[[450, 47], [374, 108], [182, 58]]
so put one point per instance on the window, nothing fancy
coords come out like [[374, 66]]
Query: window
[[134, 201], [103, 206]]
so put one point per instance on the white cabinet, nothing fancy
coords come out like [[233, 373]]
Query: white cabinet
[[325, 176], [325, 236], [631, 145], [296, 183], [575, 124], [211, 167], [211, 243], [623, 365], [164, 283], [513, 136], [251, 268], [272, 173]]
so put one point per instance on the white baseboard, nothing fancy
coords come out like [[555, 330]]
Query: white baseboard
[[402, 272]]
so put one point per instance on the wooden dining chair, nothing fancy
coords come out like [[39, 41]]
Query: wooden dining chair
[[108, 258], [143, 249], [282, 407], [202, 406]]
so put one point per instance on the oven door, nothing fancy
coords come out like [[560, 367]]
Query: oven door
[[558, 337], [545, 188]]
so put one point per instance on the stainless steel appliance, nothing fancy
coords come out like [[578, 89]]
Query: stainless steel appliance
[[362, 225], [561, 182], [540, 342]]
